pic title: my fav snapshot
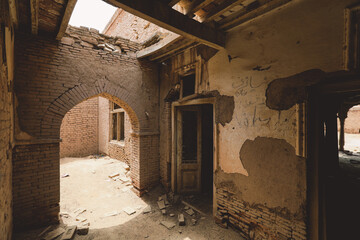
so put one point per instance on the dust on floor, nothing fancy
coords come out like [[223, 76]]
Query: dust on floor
[[86, 185]]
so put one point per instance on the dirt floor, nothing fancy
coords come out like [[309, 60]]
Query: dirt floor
[[90, 197]]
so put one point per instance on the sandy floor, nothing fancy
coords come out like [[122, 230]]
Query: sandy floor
[[89, 187]]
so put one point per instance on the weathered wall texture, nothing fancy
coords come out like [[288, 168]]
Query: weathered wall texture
[[52, 77], [257, 148], [127, 25], [120, 150], [6, 132], [79, 130], [260, 182], [352, 122], [104, 125]]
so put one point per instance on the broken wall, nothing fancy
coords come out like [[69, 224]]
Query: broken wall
[[79, 130], [129, 26], [6, 129], [260, 181], [51, 78]]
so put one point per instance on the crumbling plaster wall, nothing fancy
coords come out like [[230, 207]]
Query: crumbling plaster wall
[[257, 164], [300, 36]]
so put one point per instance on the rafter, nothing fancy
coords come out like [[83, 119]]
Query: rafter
[[164, 16], [250, 12], [222, 8], [173, 2], [66, 17], [34, 5], [196, 5]]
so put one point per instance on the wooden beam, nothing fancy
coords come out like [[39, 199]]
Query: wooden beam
[[34, 5], [13, 12], [245, 14], [164, 16], [222, 8], [196, 5], [173, 2], [153, 49], [65, 20]]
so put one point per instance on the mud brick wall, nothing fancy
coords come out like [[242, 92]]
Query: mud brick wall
[[54, 76], [352, 122], [257, 222], [79, 130], [36, 174]]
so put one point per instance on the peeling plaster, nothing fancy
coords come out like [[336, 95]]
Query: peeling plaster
[[269, 161]]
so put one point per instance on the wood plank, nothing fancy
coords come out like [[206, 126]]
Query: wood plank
[[169, 52], [222, 8], [196, 5], [13, 12], [164, 16], [153, 49], [65, 20], [245, 14], [34, 5]]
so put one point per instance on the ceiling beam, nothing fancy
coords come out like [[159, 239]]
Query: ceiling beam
[[196, 5], [34, 5], [173, 2], [66, 17], [13, 12], [222, 8], [164, 16], [248, 13]]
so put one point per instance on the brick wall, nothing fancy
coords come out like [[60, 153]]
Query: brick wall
[[35, 184], [79, 130], [256, 221], [104, 125], [121, 150], [51, 78], [127, 25], [6, 141]]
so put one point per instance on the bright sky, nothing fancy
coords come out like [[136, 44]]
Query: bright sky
[[92, 13]]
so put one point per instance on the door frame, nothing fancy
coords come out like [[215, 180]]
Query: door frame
[[174, 106]]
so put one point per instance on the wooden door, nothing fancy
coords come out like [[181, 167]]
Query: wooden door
[[188, 155]]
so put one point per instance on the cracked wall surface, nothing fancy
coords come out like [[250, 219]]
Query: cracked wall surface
[[257, 164]]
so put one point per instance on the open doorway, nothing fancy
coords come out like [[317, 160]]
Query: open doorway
[[95, 183], [193, 155]]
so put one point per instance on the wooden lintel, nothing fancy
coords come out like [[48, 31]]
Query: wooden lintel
[[34, 5], [153, 49], [13, 12], [157, 12], [66, 17]]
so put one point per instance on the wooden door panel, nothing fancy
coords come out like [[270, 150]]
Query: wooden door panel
[[189, 149]]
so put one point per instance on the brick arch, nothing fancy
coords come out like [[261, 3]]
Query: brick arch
[[51, 120], [144, 145]]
